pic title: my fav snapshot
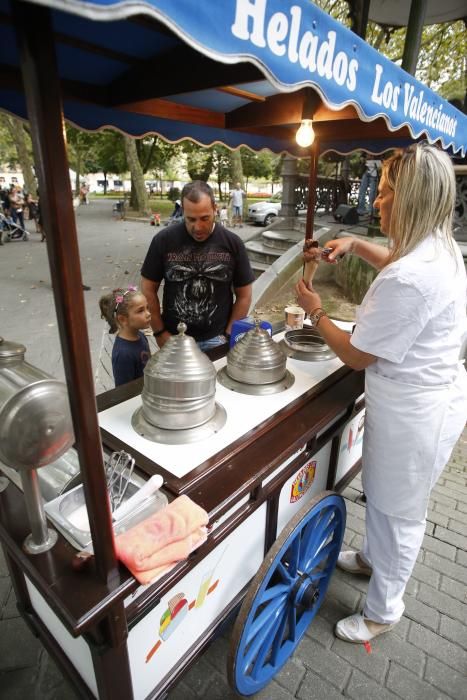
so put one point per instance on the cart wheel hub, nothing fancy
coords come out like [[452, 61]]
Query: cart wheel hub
[[304, 593]]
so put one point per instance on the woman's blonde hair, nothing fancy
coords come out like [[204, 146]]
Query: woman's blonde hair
[[424, 185]]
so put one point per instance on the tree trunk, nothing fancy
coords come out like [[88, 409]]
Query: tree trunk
[[22, 145], [236, 170], [138, 189]]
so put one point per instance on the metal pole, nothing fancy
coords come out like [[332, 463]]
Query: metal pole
[[41, 538], [312, 180], [413, 37], [359, 10]]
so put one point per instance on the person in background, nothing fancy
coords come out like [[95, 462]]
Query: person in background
[[5, 200], [177, 214], [127, 313], [206, 272], [16, 205], [236, 199], [32, 206], [368, 185], [408, 335], [223, 215], [83, 193]]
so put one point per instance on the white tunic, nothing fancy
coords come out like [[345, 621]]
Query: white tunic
[[413, 320]]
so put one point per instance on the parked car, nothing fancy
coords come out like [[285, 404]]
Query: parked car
[[265, 212]]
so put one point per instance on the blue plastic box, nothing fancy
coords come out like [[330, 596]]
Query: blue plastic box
[[243, 325]]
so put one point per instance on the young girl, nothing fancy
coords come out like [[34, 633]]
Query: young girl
[[127, 313], [223, 215]]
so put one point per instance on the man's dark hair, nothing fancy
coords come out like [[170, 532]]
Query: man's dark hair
[[193, 191]]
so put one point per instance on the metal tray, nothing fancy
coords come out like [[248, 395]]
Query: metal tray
[[69, 514]]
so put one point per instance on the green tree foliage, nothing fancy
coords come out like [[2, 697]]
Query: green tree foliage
[[80, 152], [255, 165], [264, 165], [16, 150], [107, 155], [199, 161], [154, 153], [442, 63], [8, 152]]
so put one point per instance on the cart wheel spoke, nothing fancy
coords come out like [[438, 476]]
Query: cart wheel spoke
[[278, 639], [316, 576], [293, 556], [283, 571], [317, 536], [265, 648], [264, 618], [274, 591], [286, 593], [319, 558], [262, 636], [292, 623], [315, 552]]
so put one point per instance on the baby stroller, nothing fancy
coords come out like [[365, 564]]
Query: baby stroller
[[9, 231]]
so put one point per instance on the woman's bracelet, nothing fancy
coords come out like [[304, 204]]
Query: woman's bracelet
[[316, 316]]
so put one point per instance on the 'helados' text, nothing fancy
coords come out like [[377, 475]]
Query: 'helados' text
[[282, 33]]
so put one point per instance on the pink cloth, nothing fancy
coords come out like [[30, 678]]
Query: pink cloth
[[163, 539], [151, 574]]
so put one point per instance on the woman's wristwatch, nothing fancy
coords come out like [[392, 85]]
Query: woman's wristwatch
[[316, 316], [158, 333]]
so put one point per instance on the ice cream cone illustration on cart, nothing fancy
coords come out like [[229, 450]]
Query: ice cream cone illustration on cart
[[205, 584]]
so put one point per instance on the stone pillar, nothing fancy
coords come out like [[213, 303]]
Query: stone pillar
[[289, 181]]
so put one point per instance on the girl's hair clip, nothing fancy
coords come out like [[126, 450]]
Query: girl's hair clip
[[120, 297]]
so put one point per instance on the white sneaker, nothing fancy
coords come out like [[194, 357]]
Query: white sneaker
[[358, 629], [353, 563]]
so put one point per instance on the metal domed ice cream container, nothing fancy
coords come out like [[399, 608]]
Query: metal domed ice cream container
[[179, 385], [256, 359]]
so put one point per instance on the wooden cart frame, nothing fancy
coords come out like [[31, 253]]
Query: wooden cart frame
[[90, 605]]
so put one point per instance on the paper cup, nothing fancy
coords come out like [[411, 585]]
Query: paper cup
[[294, 317]]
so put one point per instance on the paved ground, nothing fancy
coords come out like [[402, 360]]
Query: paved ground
[[423, 658]]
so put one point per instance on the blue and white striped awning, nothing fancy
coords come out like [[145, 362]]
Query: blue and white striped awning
[[232, 72]]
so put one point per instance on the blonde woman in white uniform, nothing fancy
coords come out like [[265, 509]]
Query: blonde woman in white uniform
[[408, 335]]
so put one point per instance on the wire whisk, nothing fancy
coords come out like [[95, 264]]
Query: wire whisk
[[118, 473]]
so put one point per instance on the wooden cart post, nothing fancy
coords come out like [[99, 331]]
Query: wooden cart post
[[38, 64]]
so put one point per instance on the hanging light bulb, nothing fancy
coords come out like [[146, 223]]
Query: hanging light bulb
[[305, 134]]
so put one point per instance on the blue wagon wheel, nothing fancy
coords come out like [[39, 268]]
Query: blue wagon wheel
[[286, 593]]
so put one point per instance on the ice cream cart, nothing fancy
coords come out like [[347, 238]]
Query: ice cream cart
[[233, 72]]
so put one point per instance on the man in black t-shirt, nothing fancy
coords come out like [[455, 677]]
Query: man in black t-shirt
[[206, 272]]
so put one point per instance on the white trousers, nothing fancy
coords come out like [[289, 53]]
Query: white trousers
[[391, 547]]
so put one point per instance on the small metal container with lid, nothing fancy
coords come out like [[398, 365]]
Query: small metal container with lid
[[179, 385], [256, 365], [256, 359]]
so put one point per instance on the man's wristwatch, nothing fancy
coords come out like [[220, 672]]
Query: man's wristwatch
[[316, 316], [158, 333]]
